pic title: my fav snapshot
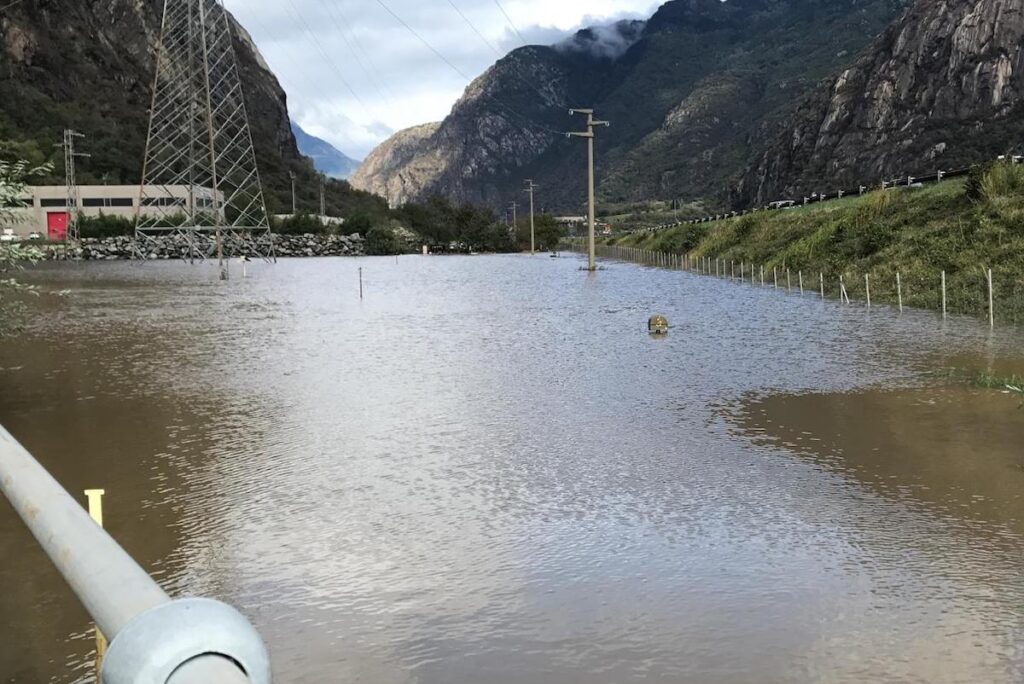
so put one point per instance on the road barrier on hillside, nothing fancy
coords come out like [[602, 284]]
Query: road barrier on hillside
[[814, 198], [153, 639]]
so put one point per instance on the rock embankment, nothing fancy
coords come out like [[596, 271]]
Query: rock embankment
[[177, 247]]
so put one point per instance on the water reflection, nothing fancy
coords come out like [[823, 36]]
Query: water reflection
[[487, 471]]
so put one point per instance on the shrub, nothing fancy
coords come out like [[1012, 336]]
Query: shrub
[[1001, 179], [359, 222], [300, 224], [382, 241], [103, 226]]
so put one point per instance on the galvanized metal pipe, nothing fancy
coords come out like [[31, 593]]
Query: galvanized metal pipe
[[111, 586], [207, 669]]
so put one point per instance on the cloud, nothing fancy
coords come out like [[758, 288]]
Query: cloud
[[354, 74], [609, 41]]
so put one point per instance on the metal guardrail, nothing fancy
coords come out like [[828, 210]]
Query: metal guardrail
[[153, 639], [816, 197]]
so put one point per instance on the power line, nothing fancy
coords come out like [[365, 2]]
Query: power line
[[497, 51], [510, 22], [327, 57], [355, 53], [10, 5], [297, 62], [366, 53], [459, 71], [475, 29], [423, 40]]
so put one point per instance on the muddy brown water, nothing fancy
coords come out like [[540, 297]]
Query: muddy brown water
[[487, 471]]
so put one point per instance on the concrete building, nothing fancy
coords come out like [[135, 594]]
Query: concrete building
[[46, 210]]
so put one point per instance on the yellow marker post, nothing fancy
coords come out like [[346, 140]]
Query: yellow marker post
[[95, 497]]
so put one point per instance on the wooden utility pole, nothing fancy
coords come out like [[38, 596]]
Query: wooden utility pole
[[589, 135]]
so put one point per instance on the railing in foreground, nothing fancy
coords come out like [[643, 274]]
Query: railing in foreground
[[153, 640]]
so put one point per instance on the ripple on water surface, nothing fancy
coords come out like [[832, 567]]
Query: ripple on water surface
[[487, 471]]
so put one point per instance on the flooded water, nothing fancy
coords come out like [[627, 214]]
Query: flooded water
[[487, 471]]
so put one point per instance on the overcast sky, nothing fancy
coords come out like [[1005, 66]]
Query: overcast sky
[[354, 74]]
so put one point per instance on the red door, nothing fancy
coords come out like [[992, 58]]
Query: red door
[[57, 225]]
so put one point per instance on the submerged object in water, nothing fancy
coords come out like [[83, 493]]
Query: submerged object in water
[[657, 325]]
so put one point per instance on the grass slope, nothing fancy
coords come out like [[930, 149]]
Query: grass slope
[[960, 226]]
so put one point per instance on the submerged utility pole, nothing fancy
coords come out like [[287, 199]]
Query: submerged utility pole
[[323, 200], [530, 187], [589, 135], [74, 212], [291, 174], [515, 218]]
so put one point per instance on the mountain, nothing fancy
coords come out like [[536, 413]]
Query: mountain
[[691, 95], [90, 66], [382, 171], [941, 89], [327, 159]]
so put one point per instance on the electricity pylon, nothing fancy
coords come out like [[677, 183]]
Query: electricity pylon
[[200, 180], [71, 181], [589, 135]]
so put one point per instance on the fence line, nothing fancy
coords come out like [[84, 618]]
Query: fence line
[[716, 267]]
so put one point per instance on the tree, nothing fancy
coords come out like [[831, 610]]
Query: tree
[[13, 255], [547, 233]]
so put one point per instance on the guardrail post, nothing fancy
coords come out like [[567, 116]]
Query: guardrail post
[[95, 498]]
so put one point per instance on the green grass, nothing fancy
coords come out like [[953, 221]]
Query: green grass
[[918, 232], [986, 380]]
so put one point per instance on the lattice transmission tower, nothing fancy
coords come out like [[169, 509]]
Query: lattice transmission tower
[[200, 185]]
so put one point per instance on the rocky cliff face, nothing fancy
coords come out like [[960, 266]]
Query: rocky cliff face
[[687, 92], [506, 119], [940, 89], [90, 66], [396, 170]]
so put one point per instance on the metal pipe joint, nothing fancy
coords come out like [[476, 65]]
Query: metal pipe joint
[[156, 644]]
